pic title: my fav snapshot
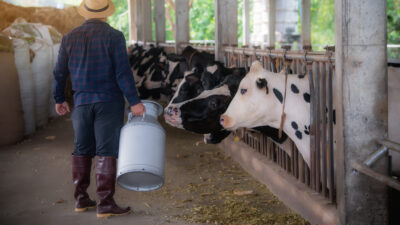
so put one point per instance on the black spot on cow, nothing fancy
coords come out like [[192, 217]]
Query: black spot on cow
[[299, 135], [307, 130], [295, 126], [278, 95], [306, 97], [301, 76], [294, 88], [261, 83]]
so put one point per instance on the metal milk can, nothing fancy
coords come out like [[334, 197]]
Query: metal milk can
[[142, 151]]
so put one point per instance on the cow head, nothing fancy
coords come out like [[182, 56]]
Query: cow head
[[200, 114], [259, 102], [251, 105]]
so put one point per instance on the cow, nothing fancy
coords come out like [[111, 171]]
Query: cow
[[201, 113], [258, 102]]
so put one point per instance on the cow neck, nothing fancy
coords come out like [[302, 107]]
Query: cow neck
[[222, 90], [297, 110]]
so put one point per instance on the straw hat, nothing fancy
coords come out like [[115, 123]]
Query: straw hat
[[91, 9]]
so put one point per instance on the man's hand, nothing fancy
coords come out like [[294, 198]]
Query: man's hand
[[138, 109], [62, 108]]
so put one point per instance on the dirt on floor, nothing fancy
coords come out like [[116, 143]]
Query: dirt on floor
[[202, 186]]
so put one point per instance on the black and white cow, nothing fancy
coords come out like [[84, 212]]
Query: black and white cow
[[157, 74], [258, 102], [201, 113]]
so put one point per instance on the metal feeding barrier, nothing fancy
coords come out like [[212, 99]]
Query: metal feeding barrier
[[320, 68]]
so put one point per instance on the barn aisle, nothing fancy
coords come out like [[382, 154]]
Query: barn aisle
[[202, 186]]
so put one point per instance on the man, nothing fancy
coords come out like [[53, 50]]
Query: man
[[95, 56]]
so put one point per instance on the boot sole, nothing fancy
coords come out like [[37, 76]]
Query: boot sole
[[84, 209], [106, 215]]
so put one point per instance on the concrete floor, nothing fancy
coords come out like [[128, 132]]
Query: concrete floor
[[36, 186]]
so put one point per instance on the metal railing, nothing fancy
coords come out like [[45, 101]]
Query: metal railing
[[320, 176], [319, 66]]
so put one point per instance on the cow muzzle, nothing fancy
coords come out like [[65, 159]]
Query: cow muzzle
[[225, 121], [172, 115]]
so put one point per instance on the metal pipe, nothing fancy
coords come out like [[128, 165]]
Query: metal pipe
[[317, 124], [312, 123], [311, 56], [323, 129], [362, 168], [330, 133], [376, 156], [391, 145]]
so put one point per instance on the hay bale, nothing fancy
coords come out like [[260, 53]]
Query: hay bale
[[11, 118], [63, 20]]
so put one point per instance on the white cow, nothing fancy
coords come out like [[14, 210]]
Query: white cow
[[258, 102]]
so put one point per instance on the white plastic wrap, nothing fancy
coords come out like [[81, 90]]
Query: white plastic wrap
[[41, 71], [23, 64]]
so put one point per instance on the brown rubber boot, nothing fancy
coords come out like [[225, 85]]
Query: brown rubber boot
[[81, 166], [106, 171]]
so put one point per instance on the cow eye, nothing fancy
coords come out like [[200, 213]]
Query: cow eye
[[243, 91]]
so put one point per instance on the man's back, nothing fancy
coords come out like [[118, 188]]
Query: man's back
[[94, 54]]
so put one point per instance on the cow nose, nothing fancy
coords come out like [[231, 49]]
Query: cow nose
[[225, 120], [171, 111]]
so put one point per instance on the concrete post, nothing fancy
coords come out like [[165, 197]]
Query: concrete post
[[246, 22], [271, 22], [226, 26], [361, 107], [182, 26], [159, 17], [132, 24], [306, 22]]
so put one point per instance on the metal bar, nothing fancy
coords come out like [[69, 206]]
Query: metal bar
[[330, 127], [391, 145], [376, 156], [317, 124], [323, 129], [311, 56], [312, 123], [377, 176], [307, 174], [302, 168], [293, 164]]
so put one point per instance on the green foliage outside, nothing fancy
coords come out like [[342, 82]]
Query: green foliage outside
[[322, 23], [393, 21], [202, 22], [120, 22]]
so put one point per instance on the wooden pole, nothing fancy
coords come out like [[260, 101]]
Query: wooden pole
[[226, 26], [306, 23], [182, 27], [132, 24], [139, 20], [246, 22], [159, 18], [271, 23], [147, 28]]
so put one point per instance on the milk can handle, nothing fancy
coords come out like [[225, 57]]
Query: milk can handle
[[131, 116]]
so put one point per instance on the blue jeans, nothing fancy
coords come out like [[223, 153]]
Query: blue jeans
[[97, 128]]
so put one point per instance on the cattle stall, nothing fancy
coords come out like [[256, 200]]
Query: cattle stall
[[346, 127]]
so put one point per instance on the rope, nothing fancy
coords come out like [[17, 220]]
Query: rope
[[283, 116]]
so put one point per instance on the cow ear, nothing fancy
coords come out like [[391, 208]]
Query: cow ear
[[256, 67], [191, 78]]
